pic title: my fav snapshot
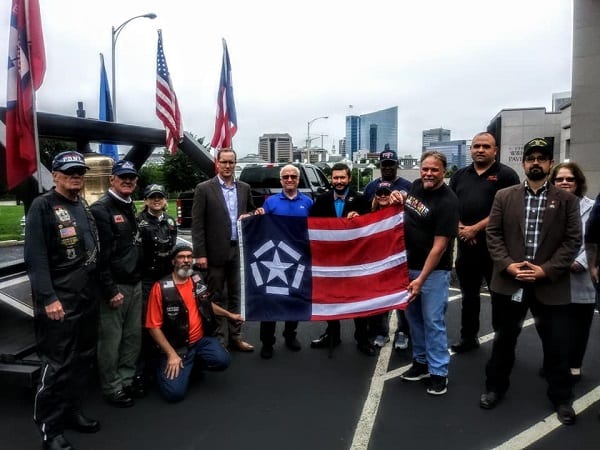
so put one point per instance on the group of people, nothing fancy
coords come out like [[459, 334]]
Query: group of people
[[99, 273]]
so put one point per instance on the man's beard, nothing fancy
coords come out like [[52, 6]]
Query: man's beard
[[184, 271], [536, 175]]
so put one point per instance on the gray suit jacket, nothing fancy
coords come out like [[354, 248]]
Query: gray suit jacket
[[211, 227], [559, 241]]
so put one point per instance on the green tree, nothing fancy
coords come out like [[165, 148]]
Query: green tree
[[149, 174], [180, 172]]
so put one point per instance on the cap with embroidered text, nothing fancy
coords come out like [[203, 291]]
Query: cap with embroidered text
[[123, 168], [388, 155], [68, 159]]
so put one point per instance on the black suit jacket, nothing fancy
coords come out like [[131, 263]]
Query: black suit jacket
[[211, 227], [324, 206]]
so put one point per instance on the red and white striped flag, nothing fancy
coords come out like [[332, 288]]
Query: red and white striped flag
[[226, 121], [26, 69], [167, 107]]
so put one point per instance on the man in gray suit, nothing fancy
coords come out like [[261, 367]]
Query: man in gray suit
[[533, 236], [218, 204]]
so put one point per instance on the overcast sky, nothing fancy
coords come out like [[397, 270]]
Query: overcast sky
[[453, 64]]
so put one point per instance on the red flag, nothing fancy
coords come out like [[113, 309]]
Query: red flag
[[167, 107], [26, 69], [226, 121]]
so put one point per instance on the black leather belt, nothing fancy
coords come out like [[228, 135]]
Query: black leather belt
[[233, 243]]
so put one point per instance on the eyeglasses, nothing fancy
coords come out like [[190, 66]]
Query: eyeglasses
[[227, 163], [537, 158], [289, 177], [483, 146], [79, 171], [388, 163], [127, 176], [567, 179], [383, 193]]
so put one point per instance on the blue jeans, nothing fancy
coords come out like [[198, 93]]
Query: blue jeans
[[426, 317], [208, 352]]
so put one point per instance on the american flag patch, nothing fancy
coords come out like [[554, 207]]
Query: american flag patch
[[67, 232], [118, 218]]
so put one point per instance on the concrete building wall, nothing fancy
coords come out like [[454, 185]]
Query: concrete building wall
[[521, 125], [585, 108]]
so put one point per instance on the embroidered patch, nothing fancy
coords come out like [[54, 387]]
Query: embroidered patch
[[118, 218], [62, 214], [67, 232]]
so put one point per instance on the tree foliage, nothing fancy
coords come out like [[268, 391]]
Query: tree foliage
[[180, 172]]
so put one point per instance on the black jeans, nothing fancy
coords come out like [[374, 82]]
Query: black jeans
[[553, 326], [360, 329], [267, 331]]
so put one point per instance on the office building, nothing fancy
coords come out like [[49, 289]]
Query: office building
[[458, 153], [560, 100], [275, 147], [435, 135], [372, 132]]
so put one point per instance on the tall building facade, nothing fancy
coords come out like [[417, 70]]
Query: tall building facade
[[372, 132], [458, 153], [275, 147], [435, 135]]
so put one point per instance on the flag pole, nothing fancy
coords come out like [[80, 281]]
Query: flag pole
[[38, 161]]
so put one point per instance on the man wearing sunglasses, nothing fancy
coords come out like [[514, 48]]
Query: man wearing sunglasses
[[289, 202], [120, 330], [533, 236], [475, 186], [61, 248]]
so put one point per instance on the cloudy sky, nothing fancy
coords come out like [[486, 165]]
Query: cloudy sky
[[453, 64]]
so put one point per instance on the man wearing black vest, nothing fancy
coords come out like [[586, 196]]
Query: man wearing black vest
[[181, 320], [60, 253]]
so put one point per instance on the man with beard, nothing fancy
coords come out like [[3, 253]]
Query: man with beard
[[475, 186], [388, 163], [338, 203], [533, 236], [181, 320], [430, 224]]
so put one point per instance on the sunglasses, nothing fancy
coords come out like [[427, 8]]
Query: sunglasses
[[383, 193], [537, 158], [567, 179], [289, 177], [80, 171]]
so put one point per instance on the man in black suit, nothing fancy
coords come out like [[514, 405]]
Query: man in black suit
[[338, 203], [218, 204]]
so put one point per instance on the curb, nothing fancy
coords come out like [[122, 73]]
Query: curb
[[11, 243]]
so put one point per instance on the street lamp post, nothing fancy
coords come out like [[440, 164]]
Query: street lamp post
[[310, 122], [115, 35]]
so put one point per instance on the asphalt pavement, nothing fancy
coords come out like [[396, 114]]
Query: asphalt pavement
[[306, 399]]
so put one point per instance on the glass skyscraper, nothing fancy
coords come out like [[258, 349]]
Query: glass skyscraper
[[372, 131]]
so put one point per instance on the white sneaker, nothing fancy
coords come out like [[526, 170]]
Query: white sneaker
[[400, 341], [381, 340]]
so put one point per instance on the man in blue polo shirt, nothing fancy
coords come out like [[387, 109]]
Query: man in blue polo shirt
[[289, 202]]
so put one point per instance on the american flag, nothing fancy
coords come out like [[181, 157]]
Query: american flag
[[26, 69], [319, 268], [226, 121], [167, 108]]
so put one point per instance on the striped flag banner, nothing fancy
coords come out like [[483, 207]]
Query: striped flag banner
[[296, 268]]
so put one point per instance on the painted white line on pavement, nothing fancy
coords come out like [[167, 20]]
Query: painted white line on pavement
[[364, 427], [548, 424]]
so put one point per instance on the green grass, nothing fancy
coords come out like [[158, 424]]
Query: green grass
[[10, 219], [10, 222]]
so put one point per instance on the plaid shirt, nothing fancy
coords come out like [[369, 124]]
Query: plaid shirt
[[535, 205]]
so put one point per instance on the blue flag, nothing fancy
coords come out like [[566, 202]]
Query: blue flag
[[106, 111]]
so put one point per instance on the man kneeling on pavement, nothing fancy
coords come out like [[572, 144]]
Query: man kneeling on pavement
[[181, 320]]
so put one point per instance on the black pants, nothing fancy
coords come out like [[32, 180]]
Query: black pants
[[553, 326], [473, 265], [581, 317], [360, 329], [67, 350], [267, 331]]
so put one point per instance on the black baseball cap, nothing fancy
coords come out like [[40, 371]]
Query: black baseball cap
[[540, 145], [388, 155], [384, 188], [152, 189]]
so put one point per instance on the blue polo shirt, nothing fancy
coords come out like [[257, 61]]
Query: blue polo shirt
[[280, 205]]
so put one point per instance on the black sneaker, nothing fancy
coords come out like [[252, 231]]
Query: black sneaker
[[438, 385], [417, 372], [266, 352]]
